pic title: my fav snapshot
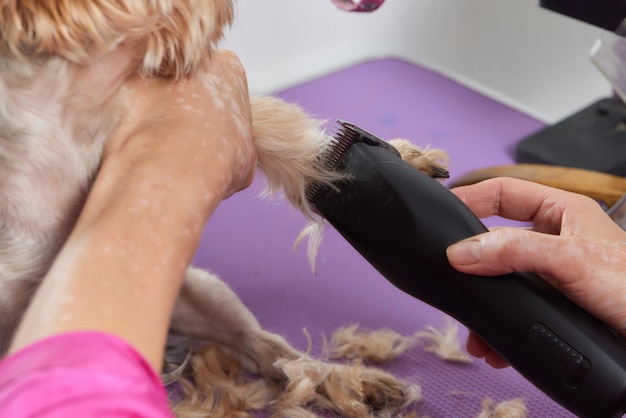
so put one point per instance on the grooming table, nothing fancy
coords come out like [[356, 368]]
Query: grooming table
[[249, 241]]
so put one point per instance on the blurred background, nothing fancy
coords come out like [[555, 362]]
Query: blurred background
[[529, 58]]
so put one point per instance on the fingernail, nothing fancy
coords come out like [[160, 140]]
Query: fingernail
[[464, 253]]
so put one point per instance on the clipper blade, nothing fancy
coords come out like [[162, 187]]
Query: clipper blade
[[342, 136]]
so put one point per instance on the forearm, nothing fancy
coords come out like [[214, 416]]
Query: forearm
[[121, 268]]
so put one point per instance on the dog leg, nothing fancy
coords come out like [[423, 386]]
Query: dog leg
[[209, 311], [288, 142]]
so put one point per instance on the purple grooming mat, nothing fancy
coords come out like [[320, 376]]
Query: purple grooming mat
[[248, 241]]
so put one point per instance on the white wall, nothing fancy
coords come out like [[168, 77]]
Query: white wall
[[512, 50]]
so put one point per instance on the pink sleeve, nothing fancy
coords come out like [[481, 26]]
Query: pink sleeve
[[83, 374]]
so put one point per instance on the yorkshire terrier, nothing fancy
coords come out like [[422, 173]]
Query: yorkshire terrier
[[52, 50]]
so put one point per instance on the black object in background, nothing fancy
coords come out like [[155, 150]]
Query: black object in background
[[607, 14], [593, 138]]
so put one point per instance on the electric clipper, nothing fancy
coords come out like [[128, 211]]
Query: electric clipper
[[402, 221]]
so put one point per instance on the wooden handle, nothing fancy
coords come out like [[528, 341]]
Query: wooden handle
[[607, 188]]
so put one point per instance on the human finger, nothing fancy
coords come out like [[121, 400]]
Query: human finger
[[506, 250], [479, 349], [524, 201]]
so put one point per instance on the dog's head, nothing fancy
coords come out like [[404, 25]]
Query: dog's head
[[169, 38]]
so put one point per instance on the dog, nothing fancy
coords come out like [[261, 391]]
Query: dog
[[50, 52]]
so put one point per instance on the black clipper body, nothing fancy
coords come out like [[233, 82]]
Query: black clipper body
[[402, 222]]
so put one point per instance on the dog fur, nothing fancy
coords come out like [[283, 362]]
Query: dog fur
[[62, 65]]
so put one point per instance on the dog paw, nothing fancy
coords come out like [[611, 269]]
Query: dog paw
[[433, 162]]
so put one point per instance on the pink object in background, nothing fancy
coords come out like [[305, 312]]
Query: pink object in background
[[358, 5]]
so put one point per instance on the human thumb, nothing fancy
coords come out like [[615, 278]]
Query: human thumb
[[505, 250]]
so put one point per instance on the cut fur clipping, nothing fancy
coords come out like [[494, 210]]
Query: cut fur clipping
[[514, 408], [219, 385], [351, 390], [444, 343], [223, 386], [376, 346]]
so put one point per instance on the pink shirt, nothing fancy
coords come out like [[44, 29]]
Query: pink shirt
[[82, 374]]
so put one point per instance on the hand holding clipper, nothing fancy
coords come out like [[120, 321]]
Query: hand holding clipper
[[402, 222]]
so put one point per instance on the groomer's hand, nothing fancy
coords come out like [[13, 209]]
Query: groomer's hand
[[572, 244], [206, 115]]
